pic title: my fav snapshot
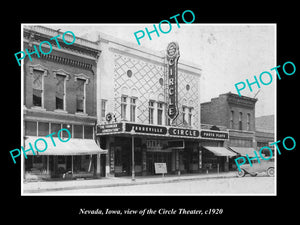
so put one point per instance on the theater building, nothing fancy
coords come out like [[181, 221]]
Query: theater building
[[60, 92], [148, 111]]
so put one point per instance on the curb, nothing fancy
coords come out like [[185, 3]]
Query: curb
[[130, 183]]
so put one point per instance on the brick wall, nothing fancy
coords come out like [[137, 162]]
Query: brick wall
[[50, 84]]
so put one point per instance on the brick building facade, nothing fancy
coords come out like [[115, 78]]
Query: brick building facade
[[237, 114], [60, 92]]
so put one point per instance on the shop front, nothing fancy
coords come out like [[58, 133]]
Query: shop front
[[181, 149], [215, 157], [77, 158]]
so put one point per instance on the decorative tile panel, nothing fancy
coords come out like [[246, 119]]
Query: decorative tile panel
[[145, 81]]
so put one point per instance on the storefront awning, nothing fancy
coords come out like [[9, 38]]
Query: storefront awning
[[220, 151], [243, 151], [72, 147]]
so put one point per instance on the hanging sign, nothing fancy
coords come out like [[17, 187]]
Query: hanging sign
[[172, 64]]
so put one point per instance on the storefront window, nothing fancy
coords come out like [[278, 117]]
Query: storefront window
[[55, 127], [88, 132], [78, 131], [64, 133], [30, 128], [43, 129]]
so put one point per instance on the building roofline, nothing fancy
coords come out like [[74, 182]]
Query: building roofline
[[135, 47]]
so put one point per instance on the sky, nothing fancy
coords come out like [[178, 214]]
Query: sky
[[226, 53]]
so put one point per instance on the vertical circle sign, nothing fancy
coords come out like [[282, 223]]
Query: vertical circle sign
[[172, 64]]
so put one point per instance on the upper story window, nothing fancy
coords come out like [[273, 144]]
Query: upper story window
[[187, 115], [132, 108], [190, 116], [103, 108], [123, 107], [160, 110], [37, 88], [231, 119], [240, 121], [80, 96], [61, 89], [151, 112], [38, 73], [248, 121], [81, 82], [60, 92], [184, 115]]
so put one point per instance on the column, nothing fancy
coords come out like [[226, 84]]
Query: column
[[98, 172], [177, 162], [144, 158]]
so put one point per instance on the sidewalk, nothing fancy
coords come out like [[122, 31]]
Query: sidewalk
[[42, 186]]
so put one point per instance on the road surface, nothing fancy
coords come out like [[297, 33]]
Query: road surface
[[261, 185]]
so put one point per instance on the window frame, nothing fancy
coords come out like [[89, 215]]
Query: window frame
[[44, 71], [66, 78], [151, 112], [103, 103], [160, 111], [123, 107], [86, 82], [248, 121], [190, 116], [240, 121], [133, 101]]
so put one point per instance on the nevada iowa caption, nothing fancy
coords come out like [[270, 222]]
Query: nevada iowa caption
[[150, 211]]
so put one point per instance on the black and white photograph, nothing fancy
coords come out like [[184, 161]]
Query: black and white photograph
[[110, 111], [127, 112]]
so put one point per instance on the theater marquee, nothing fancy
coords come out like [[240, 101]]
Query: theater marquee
[[172, 64]]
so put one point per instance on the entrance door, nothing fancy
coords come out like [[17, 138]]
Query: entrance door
[[102, 165]]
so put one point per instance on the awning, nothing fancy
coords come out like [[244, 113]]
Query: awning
[[220, 151], [244, 150], [72, 147]]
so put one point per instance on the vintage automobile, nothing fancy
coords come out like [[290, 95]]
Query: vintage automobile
[[264, 166]]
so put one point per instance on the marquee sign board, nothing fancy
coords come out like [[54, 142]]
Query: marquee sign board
[[172, 65]]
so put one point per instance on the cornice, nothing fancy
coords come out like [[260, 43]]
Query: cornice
[[84, 48]]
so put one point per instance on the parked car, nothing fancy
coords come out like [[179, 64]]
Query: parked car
[[264, 166]]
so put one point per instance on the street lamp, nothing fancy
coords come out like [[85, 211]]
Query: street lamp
[[132, 132]]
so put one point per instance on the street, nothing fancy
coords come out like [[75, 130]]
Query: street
[[260, 185]]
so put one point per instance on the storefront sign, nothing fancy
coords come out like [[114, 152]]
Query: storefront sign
[[139, 128], [109, 128], [172, 63], [184, 132], [217, 135], [108, 117]]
